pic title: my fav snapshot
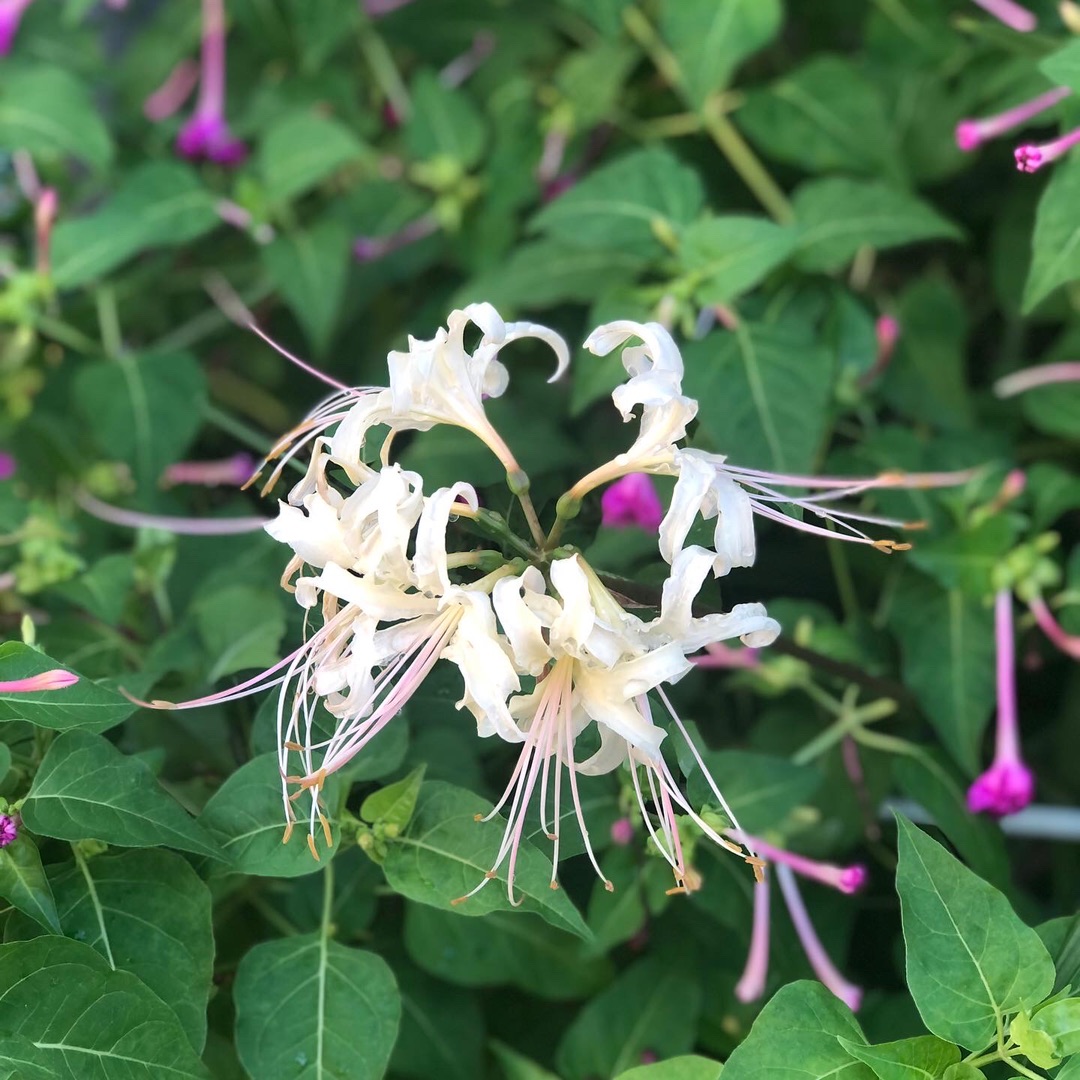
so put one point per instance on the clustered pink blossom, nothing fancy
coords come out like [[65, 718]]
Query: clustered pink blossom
[[9, 830]]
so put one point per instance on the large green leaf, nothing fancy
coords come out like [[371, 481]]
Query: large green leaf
[[764, 391], [503, 948], [300, 150], [727, 256], [245, 816], [649, 1007], [966, 559], [82, 705], [23, 883], [146, 912], [838, 217], [822, 116], [1053, 409], [1063, 66], [309, 1008], [157, 205], [87, 789], [49, 111], [241, 627], [947, 652], [710, 38], [621, 206], [144, 410], [445, 853], [923, 1058], [685, 1067], [798, 1036], [444, 123], [970, 959], [86, 1020], [309, 268], [1055, 243]]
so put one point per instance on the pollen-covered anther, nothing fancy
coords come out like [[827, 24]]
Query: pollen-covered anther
[[316, 780], [478, 817], [889, 546], [288, 832], [312, 848], [554, 886], [327, 835], [298, 748], [916, 526], [609, 886]]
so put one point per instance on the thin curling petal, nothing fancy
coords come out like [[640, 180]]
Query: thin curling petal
[[429, 563]]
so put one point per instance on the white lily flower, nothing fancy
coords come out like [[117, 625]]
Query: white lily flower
[[315, 533], [430, 562]]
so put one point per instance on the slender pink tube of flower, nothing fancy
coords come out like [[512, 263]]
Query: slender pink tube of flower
[[167, 99], [1068, 643], [232, 471], [973, 133], [1011, 14], [369, 248], [1030, 158], [183, 526], [1040, 375], [823, 967], [11, 13], [719, 655], [44, 218], [848, 879], [56, 679], [1008, 785], [751, 984]]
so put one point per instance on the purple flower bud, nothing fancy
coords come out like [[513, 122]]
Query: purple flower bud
[[632, 501], [208, 136], [55, 679], [1030, 159], [622, 831], [9, 830], [1005, 788]]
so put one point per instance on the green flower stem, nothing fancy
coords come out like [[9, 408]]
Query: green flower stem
[[850, 721], [108, 322], [66, 334], [845, 584], [727, 138], [384, 71]]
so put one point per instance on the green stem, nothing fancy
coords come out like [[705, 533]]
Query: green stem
[[385, 72], [845, 584], [108, 321], [65, 334]]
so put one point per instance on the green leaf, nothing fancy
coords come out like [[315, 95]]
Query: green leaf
[[241, 627], [103, 590], [710, 38], [81, 705], [23, 883], [301, 150], [444, 123], [823, 116], [838, 217], [1061, 1021], [1062, 67], [445, 853], [923, 1058], [686, 1067], [87, 789], [759, 788], [966, 559], [246, 818], [1054, 410], [394, 804], [970, 959], [502, 949], [161, 204], [20, 1059], [764, 391], [947, 658], [49, 111], [649, 1007], [798, 1036], [622, 206], [144, 410], [308, 1008], [146, 912], [1055, 242], [86, 1020], [310, 268], [963, 1071], [727, 256], [1062, 939], [516, 1066]]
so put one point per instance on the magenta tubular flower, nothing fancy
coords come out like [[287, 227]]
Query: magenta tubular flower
[[1011, 14], [631, 501], [233, 471], [44, 218], [823, 967], [56, 679], [1068, 643], [369, 248], [11, 13], [719, 655], [751, 984], [1030, 159], [622, 831], [848, 879], [1008, 785], [167, 99], [1039, 375], [971, 134], [207, 134], [9, 830]]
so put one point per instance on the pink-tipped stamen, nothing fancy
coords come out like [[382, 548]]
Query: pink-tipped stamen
[[1011, 14], [55, 679], [819, 959], [1030, 158], [971, 134], [1039, 375]]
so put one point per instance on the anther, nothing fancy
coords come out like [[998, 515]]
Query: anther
[[312, 848]]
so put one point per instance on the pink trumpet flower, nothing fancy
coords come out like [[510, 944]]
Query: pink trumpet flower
[[1030, 159], [751, 984], [1039, 375], [971, 134], [11, 13], [632, 501], [207, 133], [847, 879], [55, 679], [1011, 14], [1008, 785]]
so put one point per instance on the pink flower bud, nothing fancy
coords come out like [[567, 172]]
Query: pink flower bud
[[1005, 788], [56, 679], [622, 832]]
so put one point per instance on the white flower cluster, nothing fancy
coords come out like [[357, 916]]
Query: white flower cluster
[[544, 648]]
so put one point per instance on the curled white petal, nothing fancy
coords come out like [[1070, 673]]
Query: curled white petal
[[382, 600], [688, 498], [314, 533], [519, 621], [577, 618], [429, 562]]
